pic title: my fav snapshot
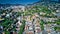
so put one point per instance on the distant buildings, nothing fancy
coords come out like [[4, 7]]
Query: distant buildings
[[45, 19], [18, 8]]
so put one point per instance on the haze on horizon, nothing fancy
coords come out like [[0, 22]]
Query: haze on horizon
[[18, 1], [22, 2]]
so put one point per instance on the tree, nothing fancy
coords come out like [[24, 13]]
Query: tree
[[22, 27], [58, 22], [41, 24]]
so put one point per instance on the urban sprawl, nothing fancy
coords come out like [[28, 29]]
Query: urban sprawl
[[37, 18]]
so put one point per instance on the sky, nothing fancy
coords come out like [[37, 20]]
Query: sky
[[17, 1]]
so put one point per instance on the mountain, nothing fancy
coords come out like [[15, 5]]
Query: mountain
[[41, 2]]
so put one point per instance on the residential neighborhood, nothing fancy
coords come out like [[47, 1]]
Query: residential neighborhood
[[37, 18]]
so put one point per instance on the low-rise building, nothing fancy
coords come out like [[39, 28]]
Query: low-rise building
[[1, 29], [30, 32]]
